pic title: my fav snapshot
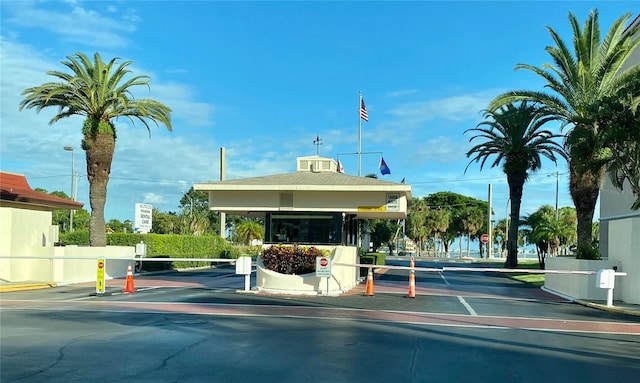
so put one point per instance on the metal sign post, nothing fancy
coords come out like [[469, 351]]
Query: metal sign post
[[323, 269], [100, 289]]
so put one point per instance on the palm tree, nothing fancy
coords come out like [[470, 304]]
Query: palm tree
[[580, 82], [535, 236], [248, 230], [99, 92], [472, 219], [514, 135]]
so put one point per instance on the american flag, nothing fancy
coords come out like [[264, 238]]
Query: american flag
[[363, 111]]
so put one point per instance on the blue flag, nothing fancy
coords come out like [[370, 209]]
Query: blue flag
[[384, 169]]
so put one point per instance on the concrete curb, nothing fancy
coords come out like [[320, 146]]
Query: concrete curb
[[613, 309], [28, 286]]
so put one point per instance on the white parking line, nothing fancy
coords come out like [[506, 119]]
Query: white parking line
[[93, 296], [444, 279], [467, 306]]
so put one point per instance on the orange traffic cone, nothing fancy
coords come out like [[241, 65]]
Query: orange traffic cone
[[369, 291], [128, 288], [412, 263], [412, 284]]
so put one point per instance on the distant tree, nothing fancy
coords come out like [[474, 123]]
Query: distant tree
[[247, 230], [115, 226], [381, 233], [165, 223], [61, 217], [472, 219], [548, 233], [437, 222], [196, 216]]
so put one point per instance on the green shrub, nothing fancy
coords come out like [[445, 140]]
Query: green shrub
[[294, 259], [587, 252], [368, 259]]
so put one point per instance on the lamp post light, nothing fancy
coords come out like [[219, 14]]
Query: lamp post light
[[73, 194]]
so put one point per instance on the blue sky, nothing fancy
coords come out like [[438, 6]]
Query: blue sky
[[263, 79]]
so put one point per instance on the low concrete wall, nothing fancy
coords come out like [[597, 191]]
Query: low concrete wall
[[66, 264], [580, 286], [343, 278]]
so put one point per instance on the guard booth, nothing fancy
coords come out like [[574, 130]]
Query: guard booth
[[315, 205]]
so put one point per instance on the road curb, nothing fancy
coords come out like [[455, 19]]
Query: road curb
[[23, 287], [613, 309]]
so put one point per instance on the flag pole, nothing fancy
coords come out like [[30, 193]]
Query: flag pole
[[359, 133]]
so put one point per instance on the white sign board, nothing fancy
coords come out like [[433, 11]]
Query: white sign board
[[243, 266], [323, 267], [393, 202], [142, 219]]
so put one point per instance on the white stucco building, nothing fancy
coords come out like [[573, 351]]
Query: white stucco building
[[27, 239]]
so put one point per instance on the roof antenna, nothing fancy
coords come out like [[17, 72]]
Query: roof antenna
[[317, 142]]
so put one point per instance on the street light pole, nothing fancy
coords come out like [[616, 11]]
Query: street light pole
[[557, 174], [73, 196]]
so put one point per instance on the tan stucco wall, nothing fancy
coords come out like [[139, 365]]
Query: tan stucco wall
[[347, 202]]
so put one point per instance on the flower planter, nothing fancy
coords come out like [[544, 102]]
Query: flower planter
[[343, 278]]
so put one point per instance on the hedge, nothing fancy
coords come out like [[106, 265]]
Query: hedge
[[169, 246]]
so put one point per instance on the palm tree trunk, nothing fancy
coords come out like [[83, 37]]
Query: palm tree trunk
[[585, 188], [516, 182], [468, 244], [99, 149]]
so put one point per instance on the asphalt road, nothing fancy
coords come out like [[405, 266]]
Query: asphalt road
[[195, 327]]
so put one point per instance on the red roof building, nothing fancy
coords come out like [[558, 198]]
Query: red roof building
[[14, 189]]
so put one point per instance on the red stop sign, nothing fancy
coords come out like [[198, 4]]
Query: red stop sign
[[484, 238], [324, 262]]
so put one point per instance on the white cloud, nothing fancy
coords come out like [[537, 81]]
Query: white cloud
[[401, 93], [153, 198], [76, 24], [454, 108]]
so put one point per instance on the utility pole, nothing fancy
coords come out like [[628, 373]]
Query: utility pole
[[489, 227], [223, 216], [557, 174], [73, 176]]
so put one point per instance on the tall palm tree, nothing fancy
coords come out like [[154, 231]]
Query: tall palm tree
[[100, 93], [578, 83], [514, 135]]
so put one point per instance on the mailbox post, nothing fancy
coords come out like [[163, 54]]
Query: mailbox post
[[606, 279], [243, 267]]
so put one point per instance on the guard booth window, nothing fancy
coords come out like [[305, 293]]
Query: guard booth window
[[304, 228]]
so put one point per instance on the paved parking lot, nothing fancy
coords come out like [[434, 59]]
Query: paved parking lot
[[194, 326]]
